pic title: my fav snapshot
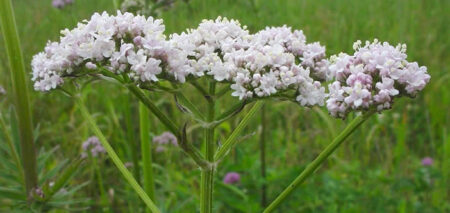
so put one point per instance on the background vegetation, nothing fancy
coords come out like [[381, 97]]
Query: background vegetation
[[378, 170]]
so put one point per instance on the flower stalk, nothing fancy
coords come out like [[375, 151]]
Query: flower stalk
[[232, 139], [115, 158], [311, 168], [21, 96]]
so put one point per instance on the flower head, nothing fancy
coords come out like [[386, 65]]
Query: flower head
[[427, 161], [93, 146], [268, 66], [163, 140], [232, 178], [372, 77], [61, 3], [120, 43], [206, 46], [310, 55]]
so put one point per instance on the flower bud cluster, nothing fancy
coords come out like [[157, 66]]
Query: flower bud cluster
[[163, 140], [61, 3], [372, 77], [93, 146]]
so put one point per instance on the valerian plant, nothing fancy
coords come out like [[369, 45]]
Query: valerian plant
[[275, 63]]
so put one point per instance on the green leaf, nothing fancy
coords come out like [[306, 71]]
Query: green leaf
[[13, 194], [20, 90]]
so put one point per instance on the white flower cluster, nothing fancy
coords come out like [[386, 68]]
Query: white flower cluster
[[271, 61], [120, 43], [268, 66], [206, 46], [310, 55], [373, 76], [257, 65]]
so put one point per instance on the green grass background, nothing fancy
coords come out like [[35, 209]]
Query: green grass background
[[377, 170]]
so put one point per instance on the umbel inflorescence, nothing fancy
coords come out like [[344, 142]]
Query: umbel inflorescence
[[372, 77], [276, 61], [257, 65]]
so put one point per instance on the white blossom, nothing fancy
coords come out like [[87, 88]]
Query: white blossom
[[373, 76]]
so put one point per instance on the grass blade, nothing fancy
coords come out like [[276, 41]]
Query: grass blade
[[21, 96]]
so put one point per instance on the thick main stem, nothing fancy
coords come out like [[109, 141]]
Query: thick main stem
[[207, 176], [319, 160], [21, 97]]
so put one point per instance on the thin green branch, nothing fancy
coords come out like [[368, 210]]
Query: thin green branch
[[199, 88], [152, 107], [116, 160], [231, 141], [354, 124], [235, 109], [222, 91], [193, 152], [187, 103]]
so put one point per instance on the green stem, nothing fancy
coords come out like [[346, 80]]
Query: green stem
[[207, 176], [104, 199], [355, 123], [152, 107], [232, 140], [187, 103], [187, 147], [116, 4], [131, 137], [146, 150], [223, 91], [21, 96], [262, 147], [199, 88], [116, 160]]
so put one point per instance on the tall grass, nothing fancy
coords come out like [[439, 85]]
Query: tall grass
[[21, 96]]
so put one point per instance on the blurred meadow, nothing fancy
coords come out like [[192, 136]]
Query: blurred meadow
[[378, 169]]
